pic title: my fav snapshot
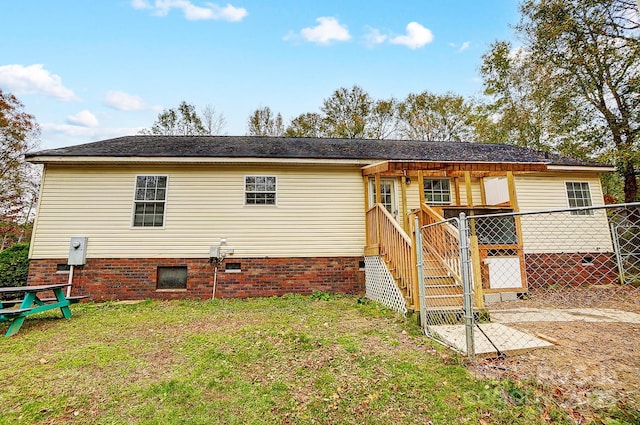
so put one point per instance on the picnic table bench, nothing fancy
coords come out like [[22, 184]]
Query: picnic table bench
[[31, 303]]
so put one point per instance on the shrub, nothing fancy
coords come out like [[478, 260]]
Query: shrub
[[14, 265], [322, 296]]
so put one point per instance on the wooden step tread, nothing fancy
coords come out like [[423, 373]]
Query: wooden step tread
[[444, 286], [443, 296], [445, 308]]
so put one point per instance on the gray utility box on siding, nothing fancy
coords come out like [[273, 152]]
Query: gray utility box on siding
[[77, 251]]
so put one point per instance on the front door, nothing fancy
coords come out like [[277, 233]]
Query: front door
[[388, 193]]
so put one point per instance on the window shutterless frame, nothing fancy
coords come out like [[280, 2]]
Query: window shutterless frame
[[260, 190], [437, 191], [149, 201], [579, 195]]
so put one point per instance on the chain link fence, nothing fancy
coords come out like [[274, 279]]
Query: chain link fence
[[496, 284]]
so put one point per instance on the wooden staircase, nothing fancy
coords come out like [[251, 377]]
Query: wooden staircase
[[387, 239], [443, 284], [441, 288]]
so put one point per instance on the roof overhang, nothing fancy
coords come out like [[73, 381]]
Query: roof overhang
[[108, 160], [584, 168], [451, 168]]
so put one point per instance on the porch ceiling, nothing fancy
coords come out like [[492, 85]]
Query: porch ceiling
[[451, 168]]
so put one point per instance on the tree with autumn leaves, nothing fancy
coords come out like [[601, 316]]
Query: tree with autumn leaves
[[19, 133], [574, 85]]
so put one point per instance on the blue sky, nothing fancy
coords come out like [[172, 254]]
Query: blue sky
[[91, 70]]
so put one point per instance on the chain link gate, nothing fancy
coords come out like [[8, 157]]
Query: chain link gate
[[625, 229], [495, 283], [444, 280]]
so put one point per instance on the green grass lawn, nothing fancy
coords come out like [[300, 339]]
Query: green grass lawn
[[288, 360]]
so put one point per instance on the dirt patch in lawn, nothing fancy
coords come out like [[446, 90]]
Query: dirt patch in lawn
[[592, 367]]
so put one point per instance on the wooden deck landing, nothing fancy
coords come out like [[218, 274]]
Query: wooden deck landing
[[508, 340]]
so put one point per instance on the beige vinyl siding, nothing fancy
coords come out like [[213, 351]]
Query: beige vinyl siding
[[319, 212], [475, 192], [561, 232], [413, 195]]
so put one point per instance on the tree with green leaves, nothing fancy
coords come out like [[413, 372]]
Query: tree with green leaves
[[263, 122], [430, 116], [346, 112], [591, 51], [308, 124], [525, 107], [383, 119], [181, 121], [19, 133]]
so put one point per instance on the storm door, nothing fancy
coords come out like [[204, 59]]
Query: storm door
[[388, 194]]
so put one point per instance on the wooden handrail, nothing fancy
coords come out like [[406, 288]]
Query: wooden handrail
[[441, 242], [430, 216], [394, 246]]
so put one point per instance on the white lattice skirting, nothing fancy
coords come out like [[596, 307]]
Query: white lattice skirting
[[381, 286]]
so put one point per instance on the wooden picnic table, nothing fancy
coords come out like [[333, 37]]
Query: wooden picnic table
[[30, 302]]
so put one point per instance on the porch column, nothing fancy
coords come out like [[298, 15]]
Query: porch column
[[403, 200], [513, 203], [467, 186]]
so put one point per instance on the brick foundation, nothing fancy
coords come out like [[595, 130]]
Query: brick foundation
[[136, 278], [570, 269]]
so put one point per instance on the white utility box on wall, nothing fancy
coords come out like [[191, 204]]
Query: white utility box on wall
[[504, 272]]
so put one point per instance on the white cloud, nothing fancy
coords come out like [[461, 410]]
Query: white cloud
[[464, 46], [34, 79], [140, 4], [51, 130], [83, 118], [374, 36], [124, 101], [209, 11], [417, 36], [327, 30]]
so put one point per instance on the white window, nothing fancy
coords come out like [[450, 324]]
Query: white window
[[579, 195], [260, 190], [437, 191], [149, 201]]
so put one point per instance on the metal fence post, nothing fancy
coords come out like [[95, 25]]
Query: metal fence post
[[618, 252], [420, 266], [466, 285]]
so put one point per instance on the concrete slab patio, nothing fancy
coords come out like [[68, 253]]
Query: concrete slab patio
[[520, 315], [508, 340], [512, 341]]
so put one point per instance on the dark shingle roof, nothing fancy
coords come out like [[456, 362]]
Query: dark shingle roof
[[311, 148]]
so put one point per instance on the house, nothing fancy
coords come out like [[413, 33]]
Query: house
[[149, 215]]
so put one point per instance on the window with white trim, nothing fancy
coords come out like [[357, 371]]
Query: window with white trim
[[437, 191], [579, 195], [149, 201], [260, 190]]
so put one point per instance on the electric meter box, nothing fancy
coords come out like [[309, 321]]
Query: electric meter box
[[77, 251]]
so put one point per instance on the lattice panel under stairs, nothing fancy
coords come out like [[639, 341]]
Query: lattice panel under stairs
[[381, 286]]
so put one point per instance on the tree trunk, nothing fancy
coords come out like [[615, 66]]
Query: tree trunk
[[630, 183]]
